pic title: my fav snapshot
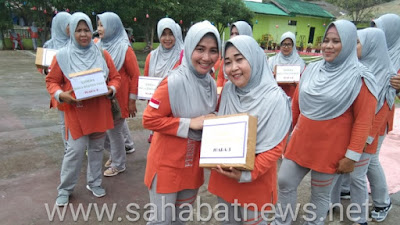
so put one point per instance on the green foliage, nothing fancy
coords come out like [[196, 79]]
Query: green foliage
[[359, 10], [5, 16], [219, 12]]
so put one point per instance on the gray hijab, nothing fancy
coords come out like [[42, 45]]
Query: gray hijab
[[162, 60], [328, 89], [75, 58], [292, 59], [261, 97], [115, 39], [192, 94], [375, 56], [178, 36], [243, 28], [390, 24], [59, 36]]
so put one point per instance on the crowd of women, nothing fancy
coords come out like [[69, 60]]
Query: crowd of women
[[331, 123]]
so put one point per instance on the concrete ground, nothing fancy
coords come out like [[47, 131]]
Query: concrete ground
[[31, 154]]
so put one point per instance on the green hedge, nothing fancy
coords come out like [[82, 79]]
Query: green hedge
[[26, 42], [139, 46]]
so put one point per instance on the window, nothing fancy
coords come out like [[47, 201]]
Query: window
[[292, 22]]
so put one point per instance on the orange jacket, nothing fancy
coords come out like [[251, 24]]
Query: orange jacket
[[221, 81], [319, 145], [379, 122], [33, 34], [263, 187], [129, 81], [174, 159], [91, 115]]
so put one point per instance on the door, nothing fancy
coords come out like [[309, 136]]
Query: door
[[311, 35]]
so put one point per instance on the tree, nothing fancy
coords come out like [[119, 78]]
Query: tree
[[5, 20], [231, 11], [147, 13], [219, 12], [359, 10]]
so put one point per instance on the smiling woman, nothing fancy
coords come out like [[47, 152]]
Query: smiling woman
[[205, 54], [333, 109], [252, 90], [183, 99]]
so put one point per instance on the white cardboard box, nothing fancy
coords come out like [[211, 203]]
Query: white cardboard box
[[229, 141], [44, 56], [88, 84], [147, 86], [288, 73]]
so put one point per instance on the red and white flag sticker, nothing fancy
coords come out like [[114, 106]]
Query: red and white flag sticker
[[154, 103]]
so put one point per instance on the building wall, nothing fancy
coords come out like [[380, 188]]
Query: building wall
[[277, 25]]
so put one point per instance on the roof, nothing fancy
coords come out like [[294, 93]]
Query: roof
[[296, 7], [265, 8]]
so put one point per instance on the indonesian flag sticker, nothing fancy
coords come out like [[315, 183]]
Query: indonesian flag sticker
[[154, 103]]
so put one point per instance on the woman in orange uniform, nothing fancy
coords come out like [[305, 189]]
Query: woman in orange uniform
[[389, 23], [287, 56], [373, 53], [252, 89], [333, 109], [114, 39], [59, 38], [176, 113], [237, 28], [166, 56], [85, 121]]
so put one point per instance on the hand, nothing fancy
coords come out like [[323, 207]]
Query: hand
[[109, 92], [395, 82], [67, 97], [231, 172], [197, 123], [132, 107], [346, 165], [210, 115]]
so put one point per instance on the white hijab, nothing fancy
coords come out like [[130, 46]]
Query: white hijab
[[328, 89], [292, 59], [75, 58], [59, 36], [375, 56], [115, 39], [261, 97], [192, 94], [163, 60]]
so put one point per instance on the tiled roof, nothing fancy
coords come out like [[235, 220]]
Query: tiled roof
[[265, 8], [296, 7]]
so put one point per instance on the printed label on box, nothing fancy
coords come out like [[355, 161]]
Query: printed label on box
[[147, 86], [288, 73], [224, 141], [89, 85]]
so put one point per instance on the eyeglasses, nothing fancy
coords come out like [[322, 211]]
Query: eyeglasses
[[286, 45]]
